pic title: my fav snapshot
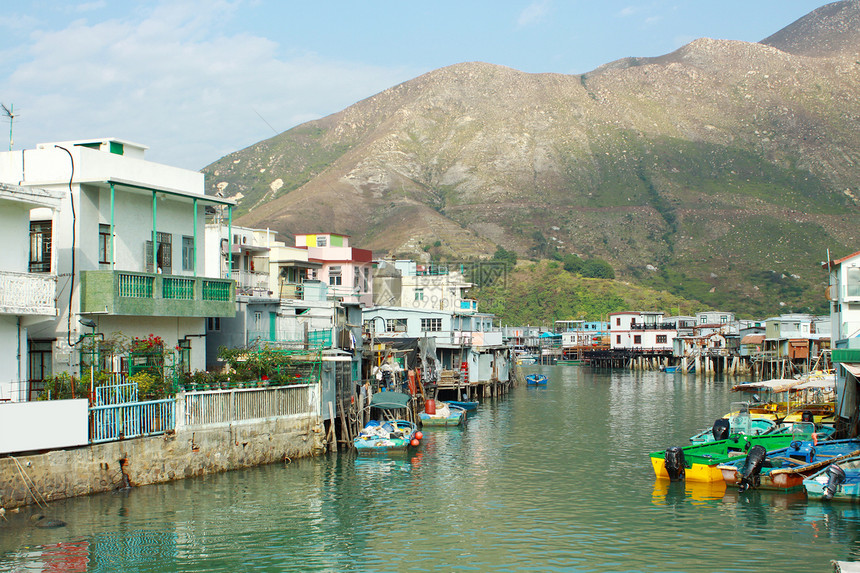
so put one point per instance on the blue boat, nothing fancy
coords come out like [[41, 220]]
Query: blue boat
[[837, 482], [536, 380], [382, 437], [468, 406], [671, 369], [786, 468], [392, 435]]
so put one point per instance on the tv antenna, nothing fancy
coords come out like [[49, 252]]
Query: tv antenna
[[10, 113]]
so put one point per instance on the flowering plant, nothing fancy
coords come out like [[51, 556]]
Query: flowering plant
[[151, 343]]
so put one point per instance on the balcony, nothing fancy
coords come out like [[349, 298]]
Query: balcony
[[27, 294], [125, 293], [252, 283], [467, 305]]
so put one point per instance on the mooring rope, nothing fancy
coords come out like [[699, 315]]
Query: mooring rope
[[23, 473]]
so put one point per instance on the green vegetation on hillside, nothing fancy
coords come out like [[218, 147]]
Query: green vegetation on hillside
[[541, 293]]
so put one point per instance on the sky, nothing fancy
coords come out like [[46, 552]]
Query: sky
[[195, 80]]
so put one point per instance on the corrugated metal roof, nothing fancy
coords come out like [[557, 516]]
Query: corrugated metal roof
[[753, 339], [775, 385]]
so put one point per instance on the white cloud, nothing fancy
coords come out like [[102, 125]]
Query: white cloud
[[533, 13], [172, 81]]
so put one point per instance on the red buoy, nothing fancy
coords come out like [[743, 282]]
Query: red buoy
[[430, 407], [414, 442], [419, 435]]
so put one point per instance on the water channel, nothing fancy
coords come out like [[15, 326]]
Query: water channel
[[553, 478]]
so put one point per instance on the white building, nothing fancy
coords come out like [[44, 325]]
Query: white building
[[128, 245], [642, 331], [27, 287]]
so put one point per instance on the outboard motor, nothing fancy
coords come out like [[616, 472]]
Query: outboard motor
[[835, 477], [722, 428], [673, 461], [806, 416], [750, 474]]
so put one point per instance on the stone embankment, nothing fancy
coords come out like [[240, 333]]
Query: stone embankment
[[185, 453]]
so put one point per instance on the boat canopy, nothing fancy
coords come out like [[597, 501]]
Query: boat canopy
[[775, 385], [390, 400]]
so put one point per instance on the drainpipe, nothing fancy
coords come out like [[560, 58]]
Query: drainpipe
[[229, 241], [19, 358], [112, 228], [154, 243], [194, 250]]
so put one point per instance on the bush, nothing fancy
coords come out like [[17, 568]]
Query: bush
[[597, 269], [64, 386], [150, 386]]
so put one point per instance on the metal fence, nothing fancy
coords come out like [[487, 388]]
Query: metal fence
[[131, 420], [220, 406]]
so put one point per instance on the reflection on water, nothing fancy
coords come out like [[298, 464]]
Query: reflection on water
[[546, 479]]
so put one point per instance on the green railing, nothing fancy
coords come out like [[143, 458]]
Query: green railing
[[135, 286], [318, 339], [177, 288], [217, 291]]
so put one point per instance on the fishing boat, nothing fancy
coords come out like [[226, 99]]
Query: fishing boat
[[784, 469], [839, 481], [524, 358], [738, 421], [386, 436], [789, 399], [445, 415], [536, 380], [699, 462], [670, 369]]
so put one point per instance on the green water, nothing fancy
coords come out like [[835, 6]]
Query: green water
[[554, 478]]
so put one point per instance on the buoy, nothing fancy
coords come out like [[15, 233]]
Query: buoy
[[419, 435], [414, 441], [430, 407]]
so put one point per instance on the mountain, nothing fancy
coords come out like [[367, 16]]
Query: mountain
[[722, 172]]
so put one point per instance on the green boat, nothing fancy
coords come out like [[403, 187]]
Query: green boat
[[450, 415], [699, 462]]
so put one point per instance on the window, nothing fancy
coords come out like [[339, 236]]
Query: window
[[213, 324], [40, 247], [335, 277], [184, 347], [618, 322], [104, 244], [852, 282], [637, 339], [258, 321], [724, 319], [419, 295], [39, 355], [661, 339], [703, 320], [617, 339], [322, 241], [395, 325], [187, 253], [164, 252], [431, 324]]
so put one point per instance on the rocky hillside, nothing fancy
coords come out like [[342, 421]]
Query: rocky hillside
[[721, 172]]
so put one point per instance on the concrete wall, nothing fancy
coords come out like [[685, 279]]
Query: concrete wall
[[93, 469]]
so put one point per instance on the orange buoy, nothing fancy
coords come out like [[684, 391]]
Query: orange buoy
[[430, 407], [414, 442], [419, 435]]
